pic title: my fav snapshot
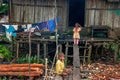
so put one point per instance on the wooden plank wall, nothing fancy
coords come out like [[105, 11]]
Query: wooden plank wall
[[101, 12], [1, 1], [34, 11]]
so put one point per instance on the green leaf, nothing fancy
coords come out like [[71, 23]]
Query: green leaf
[[3, 8]]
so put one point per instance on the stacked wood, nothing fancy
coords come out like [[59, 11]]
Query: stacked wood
[[21, 69]]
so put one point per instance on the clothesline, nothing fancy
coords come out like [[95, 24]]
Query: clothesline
[[49, 25]]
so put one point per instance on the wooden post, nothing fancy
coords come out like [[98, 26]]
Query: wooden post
[[12, 48], [89, 54], [1, 1], [115, 54], [66, 53], [38, 52], [96, 52], [17, 49], [60, 47], [84, 56], [45, 50], [76, 63]]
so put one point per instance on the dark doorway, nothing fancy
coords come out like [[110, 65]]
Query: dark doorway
[[76, 12]]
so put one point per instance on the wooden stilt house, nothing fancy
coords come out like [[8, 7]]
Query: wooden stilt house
[[34, 11], [103, 13]]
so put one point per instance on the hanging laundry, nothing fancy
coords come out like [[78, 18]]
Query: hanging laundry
[[2, 30], [35, 24], [11, 30], [6, 27], [8, 36], [15, 27], [28, 27], [40, 26], [19, 29], [51, 25]]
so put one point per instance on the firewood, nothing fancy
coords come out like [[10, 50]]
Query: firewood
[[32, 73], [19, 69], [22, 65]]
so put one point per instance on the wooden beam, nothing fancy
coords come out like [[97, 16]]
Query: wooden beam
[[102, 9], [76, 63], [41, 5]]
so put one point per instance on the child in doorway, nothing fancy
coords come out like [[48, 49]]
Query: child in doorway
[[76, 34]]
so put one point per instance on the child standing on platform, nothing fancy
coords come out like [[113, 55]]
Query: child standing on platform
[[76, 33]]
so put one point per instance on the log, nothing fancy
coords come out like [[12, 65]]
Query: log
[[22, 65], [32, 73], [19, 69]]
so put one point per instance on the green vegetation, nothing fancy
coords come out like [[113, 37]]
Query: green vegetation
[[33, 59], [3, 8], [4, 53], [112, 46]]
